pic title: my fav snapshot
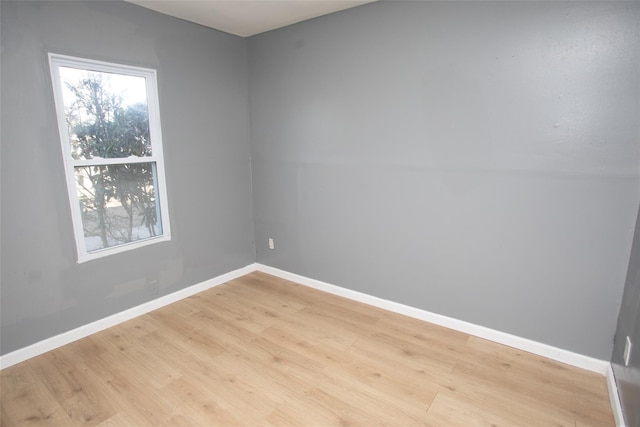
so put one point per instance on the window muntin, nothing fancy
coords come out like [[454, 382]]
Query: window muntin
[[109, 123]]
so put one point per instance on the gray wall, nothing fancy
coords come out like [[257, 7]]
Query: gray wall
[[202, 77], [628, 377], [479, 160]]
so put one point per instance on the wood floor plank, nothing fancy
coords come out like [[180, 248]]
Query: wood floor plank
[[455, 411], [196, 403], [516, 405], [403, 402], [26, 401], [64, 377], [263, 351]]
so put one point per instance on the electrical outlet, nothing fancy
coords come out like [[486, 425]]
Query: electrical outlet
[[627, 351], [271, 244], [152, 286]]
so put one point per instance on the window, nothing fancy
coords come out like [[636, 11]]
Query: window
[[109, 123]]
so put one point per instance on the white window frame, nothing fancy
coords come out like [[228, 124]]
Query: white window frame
[[56, 61]]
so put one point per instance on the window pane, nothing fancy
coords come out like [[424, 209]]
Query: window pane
[[106, 114], [118, 204]]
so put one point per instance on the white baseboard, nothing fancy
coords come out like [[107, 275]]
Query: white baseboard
[[614, 398], [554, 353], [52, 343], [534, 347]]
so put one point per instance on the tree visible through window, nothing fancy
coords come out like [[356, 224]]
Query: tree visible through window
[[109, 125]]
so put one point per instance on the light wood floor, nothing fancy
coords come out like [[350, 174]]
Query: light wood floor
[[263, 351]]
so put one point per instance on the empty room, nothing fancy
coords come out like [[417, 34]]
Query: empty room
[[320, 213]]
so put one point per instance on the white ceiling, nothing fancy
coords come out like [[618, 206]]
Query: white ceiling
[[247, 17]]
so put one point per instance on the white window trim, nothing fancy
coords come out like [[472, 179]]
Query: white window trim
[[56, 61]]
